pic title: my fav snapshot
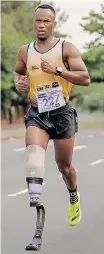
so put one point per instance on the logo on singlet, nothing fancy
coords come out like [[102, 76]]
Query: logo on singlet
[[34, 67]]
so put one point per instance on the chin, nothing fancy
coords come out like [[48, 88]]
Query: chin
[[42, 38]]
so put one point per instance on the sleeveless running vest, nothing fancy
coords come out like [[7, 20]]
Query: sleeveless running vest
[[37, 77]]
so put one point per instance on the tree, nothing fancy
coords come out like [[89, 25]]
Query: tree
[[94, 24], [93, 97], [94, 59], [94, 55]]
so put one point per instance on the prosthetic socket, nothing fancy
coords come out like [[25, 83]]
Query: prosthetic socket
[[35, 171]]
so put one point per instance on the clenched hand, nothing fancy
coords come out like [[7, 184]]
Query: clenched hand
[[22, 84], [48, 67]]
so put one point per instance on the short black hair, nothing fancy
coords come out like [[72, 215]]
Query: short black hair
[[46, 6]]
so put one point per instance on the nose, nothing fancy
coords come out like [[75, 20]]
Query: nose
[[41, 24]]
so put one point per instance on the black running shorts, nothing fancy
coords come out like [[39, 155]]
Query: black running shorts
[[61, 123]]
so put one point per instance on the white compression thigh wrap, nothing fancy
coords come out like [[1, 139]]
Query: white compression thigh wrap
[[35, 161]]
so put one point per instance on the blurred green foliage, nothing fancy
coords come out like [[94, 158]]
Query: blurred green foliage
[[92, 97]]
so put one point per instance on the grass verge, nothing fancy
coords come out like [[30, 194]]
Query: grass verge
[[91, 125]]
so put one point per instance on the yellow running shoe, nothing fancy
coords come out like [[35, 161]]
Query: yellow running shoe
[[74, 212]]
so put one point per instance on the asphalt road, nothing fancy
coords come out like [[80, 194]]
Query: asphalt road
[[18, 219]]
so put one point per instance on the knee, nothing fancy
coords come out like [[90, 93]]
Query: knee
[[65, 168]]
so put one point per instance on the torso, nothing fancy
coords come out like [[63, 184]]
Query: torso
[[53, 54]]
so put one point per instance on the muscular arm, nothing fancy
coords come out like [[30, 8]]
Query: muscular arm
[[20, 67], [78, 74]]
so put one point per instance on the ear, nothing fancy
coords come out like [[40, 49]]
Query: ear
[[33, 22], [33, 26], [55, 23]]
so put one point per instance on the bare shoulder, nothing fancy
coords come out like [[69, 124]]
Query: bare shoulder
[[22, 53], [24, 48], [70, 50]]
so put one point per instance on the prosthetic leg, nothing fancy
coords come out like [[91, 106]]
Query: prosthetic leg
[[36, 243], [35, 173]]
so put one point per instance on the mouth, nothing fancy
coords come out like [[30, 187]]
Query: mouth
[[41, 32]]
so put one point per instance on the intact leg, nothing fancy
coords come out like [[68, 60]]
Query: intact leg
[[63, 156]]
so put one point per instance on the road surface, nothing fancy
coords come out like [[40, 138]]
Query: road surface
[[18, 219]]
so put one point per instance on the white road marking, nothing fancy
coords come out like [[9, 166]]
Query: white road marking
[[79, 147], [90, 136], [51, 143], [20, 192], [23, 148], [20, 149], [96, 162], [11, 138]]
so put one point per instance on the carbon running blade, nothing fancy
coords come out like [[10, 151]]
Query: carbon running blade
[[36, 246], [36, 243]]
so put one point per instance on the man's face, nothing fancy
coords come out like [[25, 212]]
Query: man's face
[[44, 23]]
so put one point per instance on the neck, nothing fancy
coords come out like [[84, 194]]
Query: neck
[[45, 42]]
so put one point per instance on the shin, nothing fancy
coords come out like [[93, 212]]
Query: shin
[[69, 175]]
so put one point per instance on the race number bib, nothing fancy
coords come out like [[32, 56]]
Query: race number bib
[[49, 97]]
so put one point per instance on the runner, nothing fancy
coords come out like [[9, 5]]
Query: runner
[[53, 66]]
